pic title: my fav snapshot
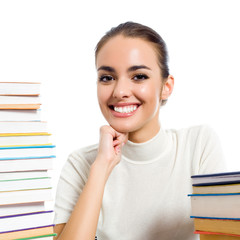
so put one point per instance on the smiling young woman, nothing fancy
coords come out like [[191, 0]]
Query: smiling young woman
[[134, 183]]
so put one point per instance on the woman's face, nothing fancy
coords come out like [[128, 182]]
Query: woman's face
[[129, 86]]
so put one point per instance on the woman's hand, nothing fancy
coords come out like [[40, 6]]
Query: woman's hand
[[84, 218], [110, 146]]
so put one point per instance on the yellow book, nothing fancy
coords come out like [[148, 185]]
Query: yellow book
[[21, 139], [227, 188], [23, 134]]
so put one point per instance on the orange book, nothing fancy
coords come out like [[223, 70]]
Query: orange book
[[26, 233], [20, 106], [227, 226]]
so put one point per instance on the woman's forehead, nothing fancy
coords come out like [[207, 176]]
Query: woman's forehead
[[127, 51]]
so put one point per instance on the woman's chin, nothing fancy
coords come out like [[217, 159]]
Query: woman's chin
[[121, 128]]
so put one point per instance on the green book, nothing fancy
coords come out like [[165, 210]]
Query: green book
[[37, 237]]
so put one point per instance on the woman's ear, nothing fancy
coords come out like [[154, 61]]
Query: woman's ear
[[167, 87]]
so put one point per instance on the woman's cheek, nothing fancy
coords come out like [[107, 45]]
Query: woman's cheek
[[147, 93]]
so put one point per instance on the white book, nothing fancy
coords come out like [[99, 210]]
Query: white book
[[26, 221], [25, 184], [20, 99], [224, 205], [24, 139], [20, 208], [26, 152], [216, 179], [26, 164], [41, 238], [23, 127], [20, 175], [20, 115], [36, 238], [25, 196], [44, 238], [19, 88]]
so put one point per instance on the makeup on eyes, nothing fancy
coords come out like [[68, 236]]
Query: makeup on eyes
[[105, 78], [136, 77]]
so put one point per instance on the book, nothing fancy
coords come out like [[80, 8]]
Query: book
[[20, 99], [26, 221], [23, 127], [27, 233], [26, 164], [20, 115], [227, 226], [20, 106], [42, 237], [227, 188], [21, 139], [25, 196], [216, 236], [24, 174], [19, 88], [25, 184], [25, 157], [45, 237], [216, 179], [20, 208], [23, 152], [223, 205]]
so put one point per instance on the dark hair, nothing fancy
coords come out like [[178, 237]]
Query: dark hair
[[136, 30]]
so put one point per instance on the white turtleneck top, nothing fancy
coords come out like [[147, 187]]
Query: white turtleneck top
[[145, 197]]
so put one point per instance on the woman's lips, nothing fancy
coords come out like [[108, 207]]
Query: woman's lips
[[124, 110]]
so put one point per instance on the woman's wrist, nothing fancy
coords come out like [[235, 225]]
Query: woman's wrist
[[100, 169]]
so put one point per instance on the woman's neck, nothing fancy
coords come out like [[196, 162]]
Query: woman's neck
[[144, 134]]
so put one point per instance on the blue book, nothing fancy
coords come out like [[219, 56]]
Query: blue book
[[216, 179], [27, 152]]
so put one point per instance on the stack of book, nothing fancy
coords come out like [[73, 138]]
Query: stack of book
[[26, 155], [216, 206]]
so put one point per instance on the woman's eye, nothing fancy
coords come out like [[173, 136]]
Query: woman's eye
[[105, 78], [140, 77]]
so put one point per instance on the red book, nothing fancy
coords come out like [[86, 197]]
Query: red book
[[217, 236]]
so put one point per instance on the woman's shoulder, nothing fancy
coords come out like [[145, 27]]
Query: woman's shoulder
[[196, 135], [203, 146], [203, 130], [80, 161], [87, 153]]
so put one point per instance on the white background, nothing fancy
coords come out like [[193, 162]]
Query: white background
[[53, 42]]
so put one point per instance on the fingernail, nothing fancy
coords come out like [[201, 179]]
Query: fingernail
[[118, 149]]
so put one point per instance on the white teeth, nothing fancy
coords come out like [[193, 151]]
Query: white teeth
[[126, 109]]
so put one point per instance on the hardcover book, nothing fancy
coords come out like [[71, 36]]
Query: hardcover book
[[19, 88], [26, 155], [216, 179], [216, 205]]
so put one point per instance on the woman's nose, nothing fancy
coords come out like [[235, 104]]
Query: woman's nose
[[122, 89]]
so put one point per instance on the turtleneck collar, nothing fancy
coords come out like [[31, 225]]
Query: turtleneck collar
[[148, 151]]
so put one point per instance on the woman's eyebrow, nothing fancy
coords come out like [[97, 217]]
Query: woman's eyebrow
[[107, 68], [130, 69], [136, 67]]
